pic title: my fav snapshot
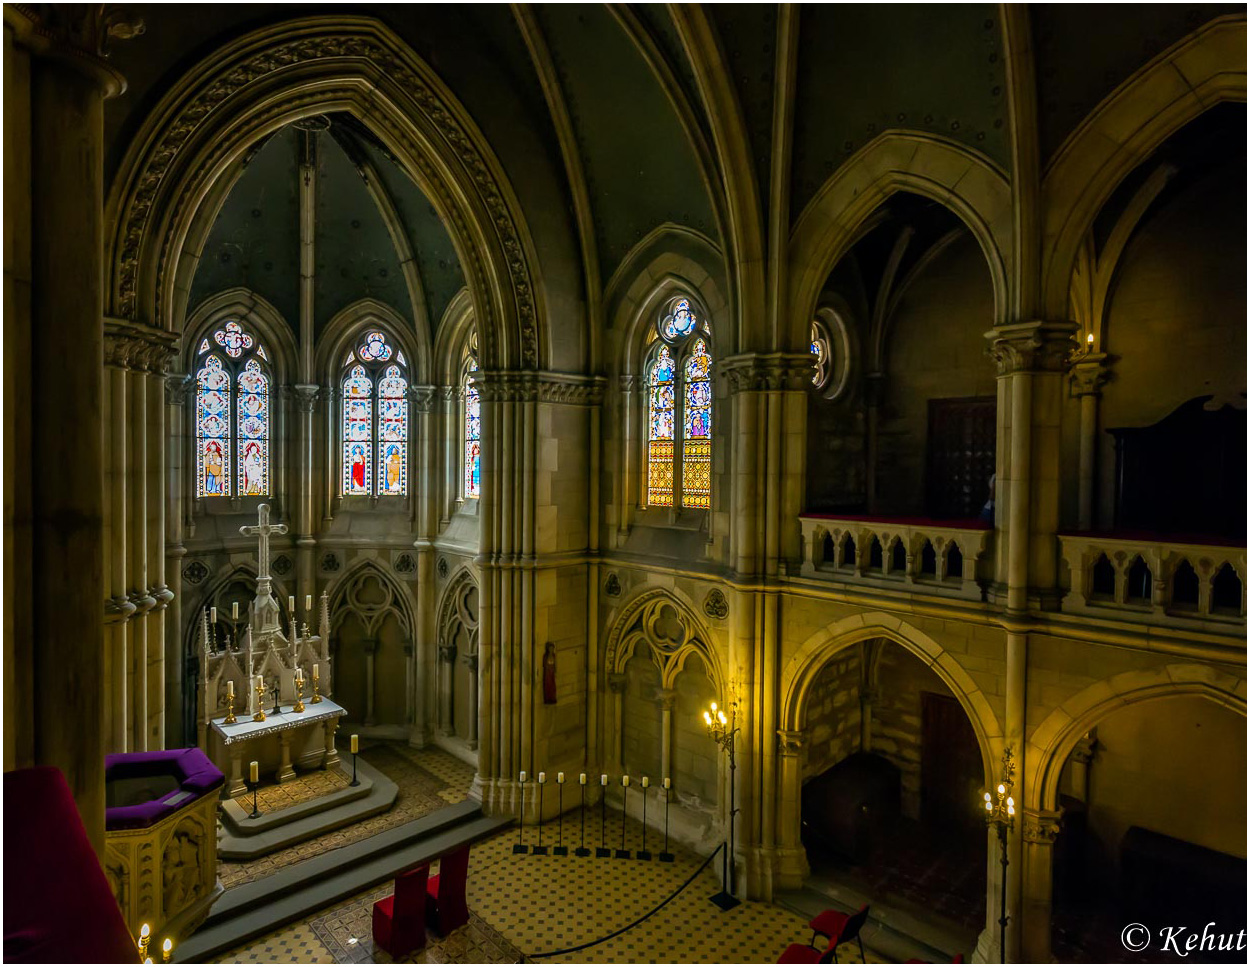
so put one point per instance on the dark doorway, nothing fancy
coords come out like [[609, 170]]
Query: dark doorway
[[950, 763], [960, 456]]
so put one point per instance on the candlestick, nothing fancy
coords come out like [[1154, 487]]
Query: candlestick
[[644, 853], [560, 849], [581, 843], [623, 853], [260, 700], [253, 771], [355, 744], [299, 695], [316, 687], [355, 749], [539, 848], [230, 718], [520, 846], [666, 856], [602, 849]]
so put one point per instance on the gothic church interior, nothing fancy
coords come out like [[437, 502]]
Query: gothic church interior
[[805, 442]]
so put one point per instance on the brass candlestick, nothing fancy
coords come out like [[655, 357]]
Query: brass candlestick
[[299, 695], [316, 694], [260, 703], [230, 717]]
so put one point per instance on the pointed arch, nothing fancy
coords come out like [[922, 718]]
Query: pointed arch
[[638, 621], [279, 74], [256, 314], [963, 180], [805, 665], [397, 603], [350, 322], [1187, 79]]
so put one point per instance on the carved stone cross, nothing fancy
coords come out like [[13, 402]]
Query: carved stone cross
[[263, 529]]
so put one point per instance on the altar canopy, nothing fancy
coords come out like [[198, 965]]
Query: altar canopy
[[276, 682]]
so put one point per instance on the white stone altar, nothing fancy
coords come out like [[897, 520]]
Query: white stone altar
[[267, 658]]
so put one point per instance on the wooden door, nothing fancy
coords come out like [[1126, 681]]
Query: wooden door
[[950, 763], [959, 456]]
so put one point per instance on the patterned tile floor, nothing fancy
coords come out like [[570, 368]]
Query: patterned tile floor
[[428, 780], [524, 905], [272, 796]]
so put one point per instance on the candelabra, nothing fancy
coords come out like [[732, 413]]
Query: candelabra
[[260, 701], [723, 732], [1000, 812]]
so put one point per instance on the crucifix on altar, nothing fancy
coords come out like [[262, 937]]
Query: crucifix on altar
[[236, 724]]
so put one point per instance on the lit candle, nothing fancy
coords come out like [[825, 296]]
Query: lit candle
[[560, 778], [603, 779], [145, 931], [290, 603], [234, 610], [213, 614], [522, 775], [582, 778], [230, 688], [666, 782], [308, 602], [624, 780], [167, 948], [253, 771], [646, 783], [355, 744], [542, 778]]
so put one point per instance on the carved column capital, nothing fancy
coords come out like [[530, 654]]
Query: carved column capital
[[77, 34], [470, 662], [1088, 373], [1041, 826], [616, 682], [666, 698], [790, 742], [1030, 347], [446, 653], [177, 387], [764, 372], [305, 395], [422, 398]]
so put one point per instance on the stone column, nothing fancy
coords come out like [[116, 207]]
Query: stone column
[[447, 688], [331, 752], [118, 608], [470, 662], [136, 559], [1041, 827], [158, 359], [1088, 373], [285, 772], [667, 698], [305, 399], [616, 683], [792, 868], [177, 388], [61, 478], [371, 648]]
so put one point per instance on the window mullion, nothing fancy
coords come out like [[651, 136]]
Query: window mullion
[[679, 432]]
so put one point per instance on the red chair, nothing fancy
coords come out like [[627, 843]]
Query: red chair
[[398, 924], [801, 953], [840, 928], [445, 906]]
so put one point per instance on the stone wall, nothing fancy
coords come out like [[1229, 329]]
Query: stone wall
[[695, 756], [833, 713]]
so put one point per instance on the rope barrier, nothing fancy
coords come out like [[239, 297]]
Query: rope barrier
[[630, 926]]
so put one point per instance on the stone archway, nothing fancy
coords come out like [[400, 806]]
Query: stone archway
[[797, 680], [1053, 741]]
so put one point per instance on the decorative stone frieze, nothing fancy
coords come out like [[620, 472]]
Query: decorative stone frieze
[[768, 371], [522, 387], [1031, 347]]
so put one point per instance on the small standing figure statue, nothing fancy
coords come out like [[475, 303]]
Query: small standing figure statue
[[549, 675]]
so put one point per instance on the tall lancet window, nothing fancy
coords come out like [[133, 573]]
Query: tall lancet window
[[232, 423], [679, 411], [375, 419], [472, 430]]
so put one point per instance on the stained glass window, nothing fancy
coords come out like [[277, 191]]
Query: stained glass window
[[203, 346], [212, 429], [696, 464], [660, 414], [682, 321], [357, 432], [679, 411], [374, 348], [253, 429], [233, 340], [392, 433], [820, 349], [375, 419], [472, 433]]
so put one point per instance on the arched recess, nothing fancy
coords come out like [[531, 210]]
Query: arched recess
[[362, 314], [163, 197], [254, 312], [454, 330], [459, 616], [1204, 69], [673, 633], [802, 669], [956, 176], [363, 599], [1053, 740]]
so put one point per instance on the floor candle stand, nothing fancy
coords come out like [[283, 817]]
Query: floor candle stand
[[560, 849], [581, 849], [623, 853], [602, 849], [539, 849], [644, 853], [666, 856], [520, 846]]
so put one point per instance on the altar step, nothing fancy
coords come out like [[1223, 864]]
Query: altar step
[[241, 838], [257, 908], [896, 929]]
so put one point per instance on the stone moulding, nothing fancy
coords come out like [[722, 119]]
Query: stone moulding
[[298, 68]]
